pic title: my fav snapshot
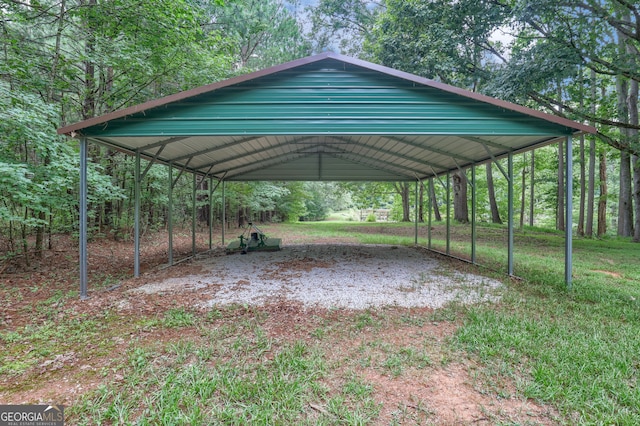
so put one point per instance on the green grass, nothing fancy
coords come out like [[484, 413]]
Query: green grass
[[236, 382], [577, 351]]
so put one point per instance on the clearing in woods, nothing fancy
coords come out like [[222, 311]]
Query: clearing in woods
[[369, 327]]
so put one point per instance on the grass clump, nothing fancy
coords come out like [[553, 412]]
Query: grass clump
[[578, 350], [170, 388]]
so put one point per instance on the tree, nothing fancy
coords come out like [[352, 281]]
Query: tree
[[67, 60], [403, 190], [261, 33], [38, 172], [342, 25], [553, 40], [441, 39], [460, 208], [495, 212], [592, 164]]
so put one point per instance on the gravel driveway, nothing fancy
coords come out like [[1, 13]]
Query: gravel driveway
[[333, 276]]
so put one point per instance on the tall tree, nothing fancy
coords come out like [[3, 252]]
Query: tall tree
[[495, 212], [553, 40], [403, 190], [460, 207], [635, 159], [434, 204], [592, 163], [625, 208], [602, 201]]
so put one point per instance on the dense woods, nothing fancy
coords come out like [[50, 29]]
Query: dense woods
[[62, 61]]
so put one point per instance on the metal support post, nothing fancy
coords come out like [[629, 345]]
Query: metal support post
[[473, 214], [568, 251], [193, 216], [136, 231], [224, 210], [210, 212], [170, 214], [83, 218], [510, 219], [415, 240], [448, 213], [430, 204]]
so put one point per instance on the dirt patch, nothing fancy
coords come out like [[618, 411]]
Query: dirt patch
[[609, 273], [447, 397]]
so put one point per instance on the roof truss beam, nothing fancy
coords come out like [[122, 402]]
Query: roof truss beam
[[393, 154], [161, 143], [486, 143], [254, 152], [294, 155], [215, 148], [431, 149], [379, 161]]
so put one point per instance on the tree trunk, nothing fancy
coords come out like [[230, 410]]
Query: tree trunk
[[583, 184], [583, 189], [109, 205], [635, 161], [524, 190], [625, 209], [560, 209], [434, 203], [25, 243], [89, 104], [460, 206], [592, 163], [495, 213], [403, 189], [42, 216], [602, 201], [531, 190], [203, 210]]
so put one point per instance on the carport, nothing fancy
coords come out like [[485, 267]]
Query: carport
[[325, 117]]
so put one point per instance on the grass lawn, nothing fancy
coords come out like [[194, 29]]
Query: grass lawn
[[576, 352]]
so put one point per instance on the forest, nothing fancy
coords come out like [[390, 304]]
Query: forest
[[64, 61]]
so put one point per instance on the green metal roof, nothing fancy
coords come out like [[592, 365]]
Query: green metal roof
[[326, 117]]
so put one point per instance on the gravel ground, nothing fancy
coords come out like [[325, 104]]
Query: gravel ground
[[332, 276]]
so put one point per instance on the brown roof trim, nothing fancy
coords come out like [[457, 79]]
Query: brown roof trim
[[74, 128]]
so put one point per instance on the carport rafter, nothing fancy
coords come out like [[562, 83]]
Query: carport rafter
[[292, 156], [152, 161], [214, 149], [432, 149], [486, 142], [410, 175], [395, 154], [162, 142], [254, 152]]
